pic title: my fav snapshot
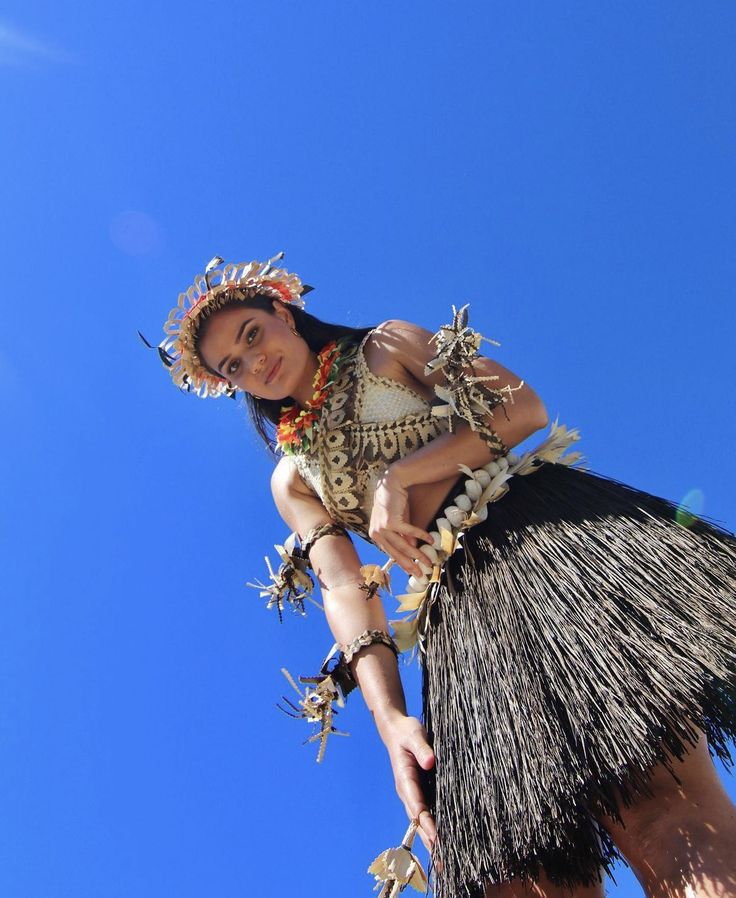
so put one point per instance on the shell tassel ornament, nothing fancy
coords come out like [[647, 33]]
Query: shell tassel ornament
[[316, 705], [397, 868]]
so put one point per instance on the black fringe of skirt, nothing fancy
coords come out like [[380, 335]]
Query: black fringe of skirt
[[574, 642]]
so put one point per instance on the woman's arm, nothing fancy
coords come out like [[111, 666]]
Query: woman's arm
[[349, 613], [404, 349], [401, 350]]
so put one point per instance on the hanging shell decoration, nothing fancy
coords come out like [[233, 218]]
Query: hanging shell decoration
[[316, 705], [291, 583], [397, 868], [483, 486], [466, 396]]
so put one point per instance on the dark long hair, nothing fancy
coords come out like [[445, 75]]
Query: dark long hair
[[265, 413]]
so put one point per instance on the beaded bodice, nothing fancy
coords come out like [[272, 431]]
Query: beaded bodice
[[368, 422]]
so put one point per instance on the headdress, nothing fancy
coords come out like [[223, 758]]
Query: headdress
[[210, 291]]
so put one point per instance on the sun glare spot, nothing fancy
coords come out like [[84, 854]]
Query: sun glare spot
[[691, 505], [136, 234]]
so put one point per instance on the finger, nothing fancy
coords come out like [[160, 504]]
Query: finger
[[415, 532], [411, 794], [423, 753], [427, 829], [418, 810], [403, 554], [426, 840], [407, 545]]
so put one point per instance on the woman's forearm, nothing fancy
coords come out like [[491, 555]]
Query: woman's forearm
[[439, 459], [375, 667]]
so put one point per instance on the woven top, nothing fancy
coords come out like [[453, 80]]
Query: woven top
[[369, 422]]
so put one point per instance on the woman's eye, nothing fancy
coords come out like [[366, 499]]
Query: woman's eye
[[251, 335], [233, 366]]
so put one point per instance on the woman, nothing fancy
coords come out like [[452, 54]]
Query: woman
[[578, 643]]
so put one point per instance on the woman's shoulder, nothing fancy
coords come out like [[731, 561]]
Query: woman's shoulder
[[399, 350], [397, 330], [398, 338]]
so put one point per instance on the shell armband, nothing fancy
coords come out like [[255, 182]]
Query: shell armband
[[368, 637]]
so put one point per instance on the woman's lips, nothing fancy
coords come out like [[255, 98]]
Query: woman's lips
[[273, 372]]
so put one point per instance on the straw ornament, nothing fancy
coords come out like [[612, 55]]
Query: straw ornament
[[317, 706], [291, 584], [397, 868], [464, 395]]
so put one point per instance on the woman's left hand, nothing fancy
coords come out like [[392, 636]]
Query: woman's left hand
[[389, 528]]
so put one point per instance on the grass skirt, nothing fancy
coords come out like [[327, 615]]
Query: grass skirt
[[573, 642]]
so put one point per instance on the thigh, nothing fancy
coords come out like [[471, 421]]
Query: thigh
[[543, 888], [683, 815]]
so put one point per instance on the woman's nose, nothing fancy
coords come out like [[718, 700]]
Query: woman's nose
[[258, 363]]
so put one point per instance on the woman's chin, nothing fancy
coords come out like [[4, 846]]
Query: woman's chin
[[276, 397]]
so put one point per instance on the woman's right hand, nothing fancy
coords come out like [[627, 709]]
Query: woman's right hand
[[406, 742]]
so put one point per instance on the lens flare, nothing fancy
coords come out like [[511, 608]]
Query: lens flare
[[690, 507], [136, 234]]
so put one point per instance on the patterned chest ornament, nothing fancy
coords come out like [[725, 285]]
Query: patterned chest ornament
[[297, 427]]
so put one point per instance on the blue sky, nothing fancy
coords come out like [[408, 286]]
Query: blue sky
[[567, 168]]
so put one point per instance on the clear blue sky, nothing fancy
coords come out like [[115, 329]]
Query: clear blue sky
[[567, 168]]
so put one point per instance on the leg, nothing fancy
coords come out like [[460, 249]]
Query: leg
[[681, 841], [541, 889]]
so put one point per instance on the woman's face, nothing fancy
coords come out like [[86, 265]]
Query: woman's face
[[257, 351]]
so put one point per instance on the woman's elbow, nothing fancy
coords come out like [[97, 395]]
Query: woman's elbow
[[540, 418], [534, 413]]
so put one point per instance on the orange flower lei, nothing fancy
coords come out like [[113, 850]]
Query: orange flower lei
[[297, 427]]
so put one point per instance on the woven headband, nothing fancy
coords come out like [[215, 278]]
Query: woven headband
[[210, 291]]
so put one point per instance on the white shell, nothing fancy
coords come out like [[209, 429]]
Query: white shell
[[426, 568], [492, 468], [443, 524], [417, 584], [473, 489], [464, 503], [430, 552], [502, 462], [436, 540], [513, 458], [454, 515], [482, 477]]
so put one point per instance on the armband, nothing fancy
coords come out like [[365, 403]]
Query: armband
[[322, 696], [368, 637], [318, 532], [466, 396]]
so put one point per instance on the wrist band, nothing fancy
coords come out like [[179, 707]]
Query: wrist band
[[368, 637]]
